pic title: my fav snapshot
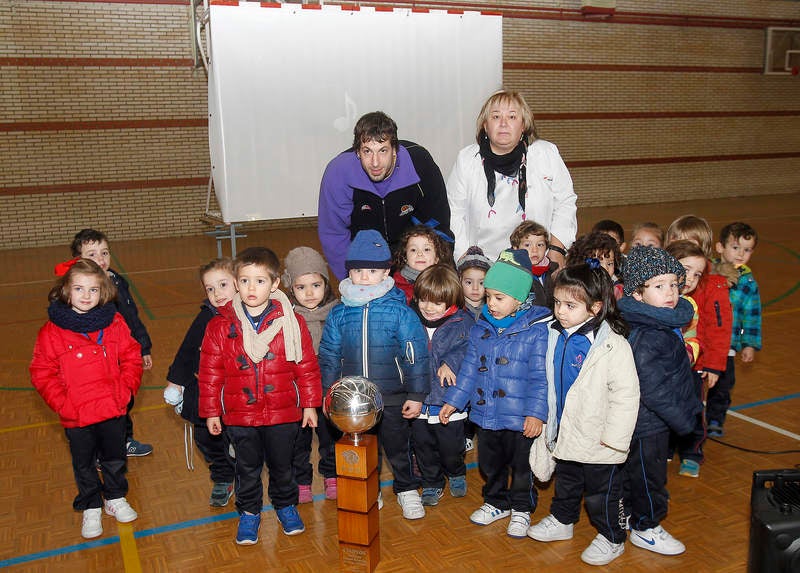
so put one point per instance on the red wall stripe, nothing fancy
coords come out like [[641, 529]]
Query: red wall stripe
[[103, 186], [97, 125], [157, 2], [98, 62], [661, 115], [689, 159], [631, 68]]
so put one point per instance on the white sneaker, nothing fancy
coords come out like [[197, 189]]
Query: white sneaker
[[601, 551], [550, 529], [487, 513], [519, 524], [657, 540], [121, 509], [92, 523], [411, 504], [469, 445]]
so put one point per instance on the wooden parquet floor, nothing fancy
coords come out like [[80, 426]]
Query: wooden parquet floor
[[178, 532]]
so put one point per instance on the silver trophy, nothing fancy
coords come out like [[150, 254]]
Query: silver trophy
[[354, 405]]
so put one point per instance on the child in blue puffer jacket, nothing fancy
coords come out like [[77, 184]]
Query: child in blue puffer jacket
[[438, 301], [503, 377], [375, 334]]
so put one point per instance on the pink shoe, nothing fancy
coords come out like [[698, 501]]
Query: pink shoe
[[330, 488], [304, 494]]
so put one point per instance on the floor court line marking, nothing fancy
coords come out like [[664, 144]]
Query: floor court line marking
[[145, 272], [127, 544], [764, 425], [57, 422]]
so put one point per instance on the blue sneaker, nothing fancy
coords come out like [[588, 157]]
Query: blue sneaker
[[689, 468], [431, 495], [137, 449], [247, 534], [290, 520], [458, 486], [714, 429]]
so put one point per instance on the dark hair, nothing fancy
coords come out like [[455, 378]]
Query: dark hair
[[609, 226], [327, 296], [260, 256], [439, 283], [528, 228], [61, 290], [738, 230], [86, 236], [593, 285], [443, 252], [684, 248], [587, 246], [375, 126]]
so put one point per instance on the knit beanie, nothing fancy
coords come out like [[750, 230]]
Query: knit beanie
[[368, 250], [511, 274], [644, 263], [301, 261], [473, 259]]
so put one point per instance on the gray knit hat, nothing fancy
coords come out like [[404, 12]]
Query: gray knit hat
[[644, 263], [300, 261], [473, 258]]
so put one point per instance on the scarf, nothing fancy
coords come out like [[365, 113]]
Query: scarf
[[359, 295], [433, 323], [510, 164], [541, 268], [409, 274], [63, 316], [256, 344]]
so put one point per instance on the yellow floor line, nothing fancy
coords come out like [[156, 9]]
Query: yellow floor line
[[127, 543], [56, 422], [777, 312]]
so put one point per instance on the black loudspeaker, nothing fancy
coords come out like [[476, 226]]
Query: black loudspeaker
[[775, 522]]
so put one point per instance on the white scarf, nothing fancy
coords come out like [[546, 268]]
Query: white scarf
[[256, 344]]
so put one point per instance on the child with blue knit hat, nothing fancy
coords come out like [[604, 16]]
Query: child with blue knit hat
[[503, 377], [375, 334], [655, 311]]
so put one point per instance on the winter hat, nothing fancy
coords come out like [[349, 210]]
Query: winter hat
[[301, 261], [644, 263], [511, 274], [473, 259], [368, 251]]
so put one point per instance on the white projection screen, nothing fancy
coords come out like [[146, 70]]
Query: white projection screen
[[287, 83]]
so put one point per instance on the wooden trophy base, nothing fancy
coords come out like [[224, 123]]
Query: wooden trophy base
[[356, 501]]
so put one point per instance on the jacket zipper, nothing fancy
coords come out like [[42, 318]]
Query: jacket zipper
[[364, 337]]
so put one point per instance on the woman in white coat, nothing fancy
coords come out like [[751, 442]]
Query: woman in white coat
[[503, 180]]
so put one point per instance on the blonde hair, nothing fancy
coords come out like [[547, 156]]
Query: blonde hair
[[694, 229], [507, 96]]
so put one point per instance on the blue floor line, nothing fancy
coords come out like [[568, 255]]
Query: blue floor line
[[152, 531], [764, 402]]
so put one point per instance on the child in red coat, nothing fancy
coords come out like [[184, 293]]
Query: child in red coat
[[87, 366]]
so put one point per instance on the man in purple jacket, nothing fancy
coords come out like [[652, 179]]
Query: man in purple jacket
[[380, 183]]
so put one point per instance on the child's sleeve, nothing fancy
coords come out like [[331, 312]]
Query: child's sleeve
[[130, 359], [211, 374], [307, 372], [45, 373], [536, 389], [751, 316], [184, 367], [413, 355], [458, 350], [623, 398], [127, 308], [330, 350], [466, 377]]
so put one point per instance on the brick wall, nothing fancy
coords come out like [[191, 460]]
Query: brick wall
[[103, 117]]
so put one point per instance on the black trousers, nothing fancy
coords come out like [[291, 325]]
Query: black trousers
[[103, 441], [646, 474], [440, 450], [504, 453], [601, 486], [303, 471], [215, 451], [719, 397], [690, 446], [129, 422], [255, 446]]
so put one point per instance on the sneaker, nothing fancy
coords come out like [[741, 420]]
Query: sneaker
[[487, 513], [121, 509], [519, 524], [380, 500], [657, 540], [458, 486], [550, 529], [469, 445], [92, 525], [304, 494], [290, 520], [137, 449], [411, 504], [330, 488], [714, 429], [247, 533], [431, 495], [220, 494], [601, 551], [689, 468]]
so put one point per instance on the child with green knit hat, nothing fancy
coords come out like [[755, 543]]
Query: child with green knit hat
[[503, 377]]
